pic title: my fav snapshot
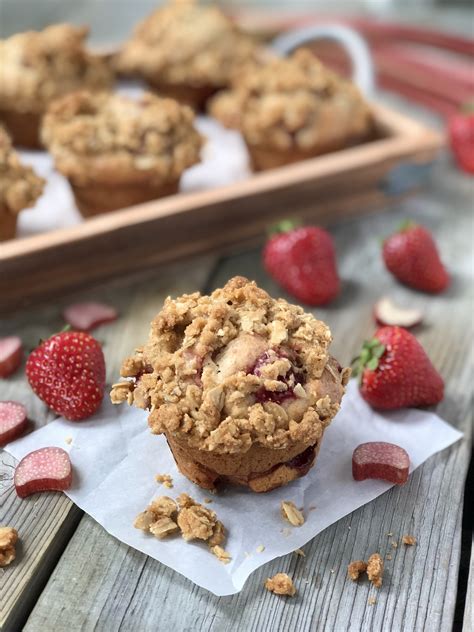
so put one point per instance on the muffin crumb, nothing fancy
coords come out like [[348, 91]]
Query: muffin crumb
[[299, 552], [375, 569], [164, 479], [281, 584], [355, 569], [8, 540], [222, 555], [409, 540], [260, 548], [291, 513]]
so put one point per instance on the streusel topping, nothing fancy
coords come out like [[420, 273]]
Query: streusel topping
[[38, 66], [20, 187], [187, 43], [291, 102], [153, 136], [232, 369]]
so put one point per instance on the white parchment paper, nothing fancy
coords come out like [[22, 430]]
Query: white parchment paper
[[115, 460]]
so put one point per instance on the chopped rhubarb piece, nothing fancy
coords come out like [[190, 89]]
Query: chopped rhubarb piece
[[386, 312], [11, 353], [381, 460], [47, 469], [87, 316], [13, 421]]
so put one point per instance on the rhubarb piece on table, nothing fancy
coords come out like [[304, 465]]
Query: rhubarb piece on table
[[46, 469], [386, 312], [380, 460], [11, 353], [87, 316], [13, 421]]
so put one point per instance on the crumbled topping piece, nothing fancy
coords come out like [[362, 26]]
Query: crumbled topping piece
[[375, 569], [280, 584], [260, 548], [208, 501], [291, 513], [371, 601], [20, 187], [222, 556], [120, 392], [388, 557], [409, 540], [299, 552], [8, 540], [115, 136], [159, 518], [225, 393], [355, 569], [39, 66], [68, 440], [293, 102], [394, 544], [165, 479], [184, 42]]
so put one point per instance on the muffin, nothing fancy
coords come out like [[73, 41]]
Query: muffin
[[20, 187], [118, 152], [292, 109], [186, 51], [37, 67], [241, 385]]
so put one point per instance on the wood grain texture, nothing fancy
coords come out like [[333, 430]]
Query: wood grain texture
[[468, 623], [45, 521], [205, 221], [101, 584]]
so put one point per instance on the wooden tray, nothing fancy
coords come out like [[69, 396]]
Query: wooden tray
[[324, 189]]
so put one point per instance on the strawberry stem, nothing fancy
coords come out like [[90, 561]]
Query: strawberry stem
[[284, 226], [407, 224], [370, 354]]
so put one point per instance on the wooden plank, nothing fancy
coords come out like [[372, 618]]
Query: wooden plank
[[45, 522], [194, 223], [468, 624], [117, 588]]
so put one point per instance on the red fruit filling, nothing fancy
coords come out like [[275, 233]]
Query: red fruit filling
[[294, 376]]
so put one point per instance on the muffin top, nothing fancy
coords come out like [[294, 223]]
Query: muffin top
[[20, 187], [38, 66], [233, 369], [112, 137], [186, 43], [293, 102]]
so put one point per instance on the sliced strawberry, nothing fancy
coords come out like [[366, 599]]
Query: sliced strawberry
[[13, 421], [87, 316], [46, 469], [380, 460], [386, 312], [11, 353]]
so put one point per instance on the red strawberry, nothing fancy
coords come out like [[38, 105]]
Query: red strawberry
[[46, 469], [87, 316], [461, 137], [395, 371], [67, 372], [303, 262], [13, 421], [412, 257], [11, 353]]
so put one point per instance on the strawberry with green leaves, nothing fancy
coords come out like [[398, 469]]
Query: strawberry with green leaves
[[67, 371], [395, 372], [411, 255]]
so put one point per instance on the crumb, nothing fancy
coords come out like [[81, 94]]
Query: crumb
[[349, 527], [291, 513], [208, 501], [371, 601], [221, 555], [355, 569], [8, 540], [388, 557], [375, 569], [389, 534], [280, 584], [260, 548], [68, 440], [311, 507], [394, 544], [332, 571], [165, 479], [299, 552], [409, 540]]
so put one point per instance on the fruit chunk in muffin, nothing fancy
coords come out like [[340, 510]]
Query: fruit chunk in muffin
[[241, 385]]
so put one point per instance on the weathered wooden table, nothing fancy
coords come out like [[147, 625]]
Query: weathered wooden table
[[71, 575]]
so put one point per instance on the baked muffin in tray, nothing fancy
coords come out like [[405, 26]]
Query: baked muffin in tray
[[118, 151], [241, 385], [291, 109], [39, 66], [20, 187], [186, 51]]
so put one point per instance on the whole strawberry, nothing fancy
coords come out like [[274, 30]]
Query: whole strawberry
[[395, 371], [461, 137], [67, 372], [303, 261], [412, 257]]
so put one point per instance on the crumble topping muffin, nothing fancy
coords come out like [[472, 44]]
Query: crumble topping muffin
[[116, 151], [20, 187], [241, 385], [37, 67], [291, 109], [186, 51]]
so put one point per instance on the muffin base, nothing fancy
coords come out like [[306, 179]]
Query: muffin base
[[98, 197], [194, 96], [23, 127], [261, 469], [263, 158], [7, 224]]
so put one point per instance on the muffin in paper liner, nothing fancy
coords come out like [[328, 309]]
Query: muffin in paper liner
[[242, 386]]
